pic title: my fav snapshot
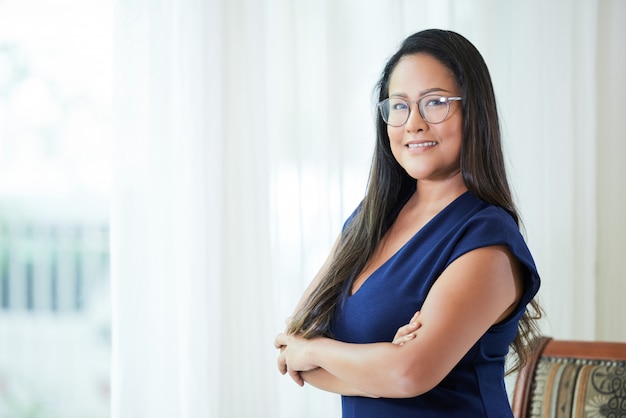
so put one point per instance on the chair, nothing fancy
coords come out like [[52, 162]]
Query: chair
[[564, 379]]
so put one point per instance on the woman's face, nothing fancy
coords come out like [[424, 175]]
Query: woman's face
[[427, 151]]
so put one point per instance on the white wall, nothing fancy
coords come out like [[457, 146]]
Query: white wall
[[611, 189]]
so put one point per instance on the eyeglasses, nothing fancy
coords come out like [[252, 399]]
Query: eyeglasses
[[433, 108]]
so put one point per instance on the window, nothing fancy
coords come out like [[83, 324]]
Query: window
[[55, 83]]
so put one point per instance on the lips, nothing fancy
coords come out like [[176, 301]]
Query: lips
[[422, 144]]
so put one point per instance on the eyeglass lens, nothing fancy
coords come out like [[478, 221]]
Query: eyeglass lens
[[395, 111]]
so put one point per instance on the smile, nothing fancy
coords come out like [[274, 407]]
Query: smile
[[423, 144]]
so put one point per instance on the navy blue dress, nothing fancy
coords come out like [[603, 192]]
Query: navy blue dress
[[392, 294]]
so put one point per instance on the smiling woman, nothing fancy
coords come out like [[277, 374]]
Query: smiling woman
[[435, 130], [435, 237], [242, 146]]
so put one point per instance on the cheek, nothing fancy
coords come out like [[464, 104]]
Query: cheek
[[457, 129], [450, 132], [395, 133]]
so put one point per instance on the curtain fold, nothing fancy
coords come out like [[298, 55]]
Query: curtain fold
[[243, 137], [611, 148], [166, 215]]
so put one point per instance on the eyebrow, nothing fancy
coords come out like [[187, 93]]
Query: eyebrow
[[422, 93]]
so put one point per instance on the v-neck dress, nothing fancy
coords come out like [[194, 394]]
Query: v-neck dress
[[396, 290]]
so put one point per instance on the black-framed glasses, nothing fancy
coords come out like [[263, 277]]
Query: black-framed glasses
[[433, 108]]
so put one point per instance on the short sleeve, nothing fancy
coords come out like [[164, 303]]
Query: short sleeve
[[494, 226]]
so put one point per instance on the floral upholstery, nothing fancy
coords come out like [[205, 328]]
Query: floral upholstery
[[581, 388]]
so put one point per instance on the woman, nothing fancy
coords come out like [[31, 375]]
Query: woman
[[437, 233]]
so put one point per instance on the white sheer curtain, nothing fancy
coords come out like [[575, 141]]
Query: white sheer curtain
[[166, 217], [244, 132]]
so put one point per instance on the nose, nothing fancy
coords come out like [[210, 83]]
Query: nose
[[415, 123]]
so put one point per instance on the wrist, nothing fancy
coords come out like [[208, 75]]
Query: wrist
[[314, 350]]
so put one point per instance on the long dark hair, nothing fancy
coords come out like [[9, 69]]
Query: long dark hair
[[482, 168]]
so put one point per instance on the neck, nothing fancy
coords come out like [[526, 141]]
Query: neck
[[440, 191]]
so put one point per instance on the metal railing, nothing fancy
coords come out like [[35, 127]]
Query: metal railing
[[51, 267]]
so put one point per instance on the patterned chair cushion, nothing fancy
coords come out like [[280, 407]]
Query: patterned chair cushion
[[565, 387]]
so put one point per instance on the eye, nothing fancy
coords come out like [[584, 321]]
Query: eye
[[434, 101], [398, 105]]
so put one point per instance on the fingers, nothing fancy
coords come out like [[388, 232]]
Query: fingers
[[280, 340], [415, 317], [282, 362], [281, 343], [405, 339], [405, 333], [296, 377]]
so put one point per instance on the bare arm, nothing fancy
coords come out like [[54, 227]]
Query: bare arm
[[477, 290], [321, 379]]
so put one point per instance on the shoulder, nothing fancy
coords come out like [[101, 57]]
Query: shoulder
[[490, 226]]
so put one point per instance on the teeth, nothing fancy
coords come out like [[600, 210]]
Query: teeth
[[423, 144]]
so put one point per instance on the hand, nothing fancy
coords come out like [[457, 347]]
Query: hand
[[408, 331], [293, 356]]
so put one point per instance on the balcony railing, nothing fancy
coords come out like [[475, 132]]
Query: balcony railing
[[54, 319], [51, 267]]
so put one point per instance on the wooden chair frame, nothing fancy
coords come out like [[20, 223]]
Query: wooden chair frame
[[549, 347]]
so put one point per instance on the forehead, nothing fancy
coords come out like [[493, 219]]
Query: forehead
[[419, 72]]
